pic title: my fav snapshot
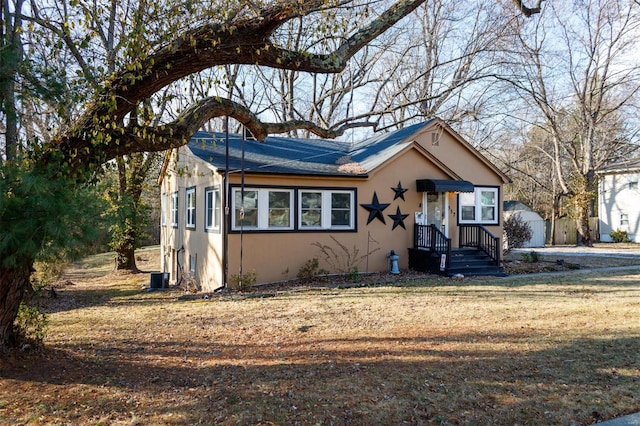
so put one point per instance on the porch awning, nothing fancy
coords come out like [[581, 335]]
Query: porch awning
[[443, 185]]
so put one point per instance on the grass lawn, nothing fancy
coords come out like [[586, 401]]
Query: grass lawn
[[552, 350]]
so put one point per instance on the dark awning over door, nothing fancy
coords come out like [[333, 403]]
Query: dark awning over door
[[443, 185]]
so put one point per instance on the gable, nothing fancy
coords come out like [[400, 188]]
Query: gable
[[443, 143]]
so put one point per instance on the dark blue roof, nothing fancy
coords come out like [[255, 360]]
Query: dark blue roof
[[300, 156]]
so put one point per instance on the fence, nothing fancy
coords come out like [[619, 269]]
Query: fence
[[566, 231]]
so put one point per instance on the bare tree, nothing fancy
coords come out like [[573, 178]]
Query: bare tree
[[573, 70]]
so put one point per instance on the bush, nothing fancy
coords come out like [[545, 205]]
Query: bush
[[620, 236], [30, 327], [309, 270], [342, 260], [517, 232], [244, 281], [531, 257]]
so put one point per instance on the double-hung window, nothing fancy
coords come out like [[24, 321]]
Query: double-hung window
[[174, 209], [262, 209], [480, 206], [326, 209], [212, 209], [190, 218]]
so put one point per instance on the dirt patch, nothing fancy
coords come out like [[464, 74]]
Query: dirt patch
[[533, 262]]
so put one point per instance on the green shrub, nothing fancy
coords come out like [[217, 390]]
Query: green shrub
[[244, 281], [309, 270], [531, 257], [30, 327], [620, 236]]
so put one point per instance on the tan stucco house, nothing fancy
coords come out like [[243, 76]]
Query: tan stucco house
[[422, 192]]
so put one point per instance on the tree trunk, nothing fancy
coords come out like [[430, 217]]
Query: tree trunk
[[125, 253], [582, 224], [13, 284]]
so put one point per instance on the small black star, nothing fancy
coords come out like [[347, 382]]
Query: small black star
[[398, 218], [375, 209], [399, 190]]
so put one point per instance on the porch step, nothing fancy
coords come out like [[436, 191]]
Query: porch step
[[473, 262]]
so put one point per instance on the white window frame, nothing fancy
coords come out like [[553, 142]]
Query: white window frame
[[174, 209], [190, 208], [212, 216], [478, 206], [326, 209], [263, 209], [624, 220], [163, 209]]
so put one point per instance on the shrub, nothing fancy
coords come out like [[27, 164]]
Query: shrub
[[341, 259], [620, 236], [517, 232], [30, 327], [531, 257], [309, 270], [244, 281]]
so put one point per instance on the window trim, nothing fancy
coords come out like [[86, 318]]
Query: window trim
[[326, 209], [190, 210], [263, 209], [216, 210], [478, 207], [174, 209], [163, 209], [624, 219], [295, 212]]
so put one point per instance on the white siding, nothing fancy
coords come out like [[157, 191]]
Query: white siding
[[619, 196]]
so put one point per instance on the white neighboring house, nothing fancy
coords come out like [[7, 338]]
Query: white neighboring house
[[619, 199], [535, 221]]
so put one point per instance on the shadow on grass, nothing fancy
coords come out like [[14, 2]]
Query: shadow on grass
[[369, 380], [70, 298]]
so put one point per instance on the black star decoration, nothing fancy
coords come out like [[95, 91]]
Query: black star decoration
[[399, 190], [375, 209], [398, 219]]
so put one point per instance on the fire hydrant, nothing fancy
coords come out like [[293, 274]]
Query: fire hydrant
[[393, 262]]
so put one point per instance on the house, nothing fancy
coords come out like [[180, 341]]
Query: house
[[528, 216], [233, 206], [618, 200]]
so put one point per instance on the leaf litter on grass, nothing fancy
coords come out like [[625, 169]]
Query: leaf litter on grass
[[469, 352]]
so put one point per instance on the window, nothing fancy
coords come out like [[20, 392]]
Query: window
[[174, 209], [326, 209], [212, 209], [190, 218], [163, 209], [480, 206], [633, 183], [624, 219], [279, 209], [263, 209]]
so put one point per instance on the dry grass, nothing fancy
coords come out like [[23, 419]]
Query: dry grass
[[562, 349]]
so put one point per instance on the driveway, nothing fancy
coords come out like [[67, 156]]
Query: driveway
[[600, 251]]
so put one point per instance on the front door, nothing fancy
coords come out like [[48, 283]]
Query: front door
[[435, 209]]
